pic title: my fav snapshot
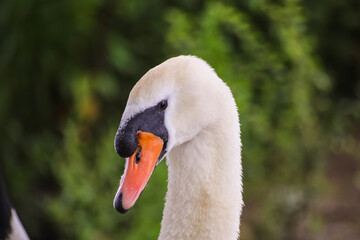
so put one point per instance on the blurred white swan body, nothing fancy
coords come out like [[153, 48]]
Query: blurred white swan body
[[204, 197]]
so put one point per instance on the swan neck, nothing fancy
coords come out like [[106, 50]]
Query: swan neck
[[204, 197]]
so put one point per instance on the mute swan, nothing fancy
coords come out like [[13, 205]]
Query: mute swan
[[183, 111]]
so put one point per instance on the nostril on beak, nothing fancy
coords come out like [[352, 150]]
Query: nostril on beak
[[138, 156]]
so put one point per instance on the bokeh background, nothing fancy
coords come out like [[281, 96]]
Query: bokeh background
[[66, 69]]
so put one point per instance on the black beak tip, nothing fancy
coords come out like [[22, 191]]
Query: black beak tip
[[118, 205]]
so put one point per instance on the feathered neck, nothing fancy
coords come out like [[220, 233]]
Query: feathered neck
[[204, 197]]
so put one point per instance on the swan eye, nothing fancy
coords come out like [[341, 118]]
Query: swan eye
[[138, 156], [163, 104]]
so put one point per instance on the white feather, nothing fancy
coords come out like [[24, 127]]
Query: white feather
[[17, 230]]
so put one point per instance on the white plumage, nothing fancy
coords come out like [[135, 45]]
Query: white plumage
[[204, 197]]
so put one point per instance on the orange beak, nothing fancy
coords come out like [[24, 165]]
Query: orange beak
[[138, 169]]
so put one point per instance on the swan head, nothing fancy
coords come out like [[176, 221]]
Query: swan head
[[167, 107]]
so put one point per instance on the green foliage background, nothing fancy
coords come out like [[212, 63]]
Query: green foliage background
[[66, 69]]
